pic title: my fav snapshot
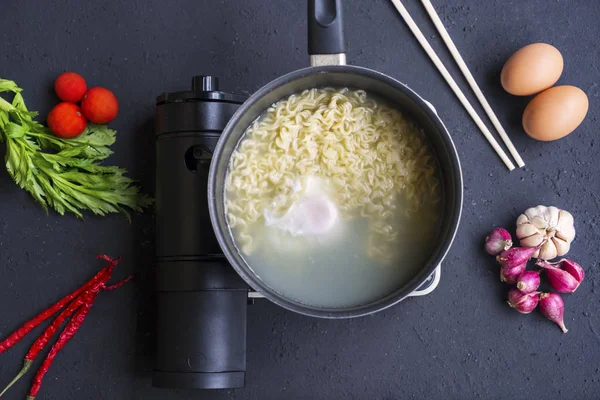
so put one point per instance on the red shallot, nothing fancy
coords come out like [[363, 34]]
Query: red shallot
[[528, 281], [573, 268], [553, 308], [515, 256], [497, 241], [510, 275], [523, 302], [564, 276]]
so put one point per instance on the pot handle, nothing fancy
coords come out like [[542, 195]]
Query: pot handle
[[326, 45], [429, 285]]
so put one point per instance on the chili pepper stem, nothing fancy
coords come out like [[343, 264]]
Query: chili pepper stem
[[26, 365]]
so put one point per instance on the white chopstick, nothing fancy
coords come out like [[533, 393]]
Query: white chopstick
[[467, 73], [440, 66]]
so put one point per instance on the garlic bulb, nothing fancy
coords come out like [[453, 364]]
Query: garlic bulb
[[548, 225]]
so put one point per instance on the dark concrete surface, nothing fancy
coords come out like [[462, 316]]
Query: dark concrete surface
[[460, 342]]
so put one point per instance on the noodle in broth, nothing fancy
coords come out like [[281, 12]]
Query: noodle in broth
[[333, 197]]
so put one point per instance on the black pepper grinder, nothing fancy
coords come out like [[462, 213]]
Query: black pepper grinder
[[202, 302]]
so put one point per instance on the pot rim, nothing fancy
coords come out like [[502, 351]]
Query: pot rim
[[388, 300]]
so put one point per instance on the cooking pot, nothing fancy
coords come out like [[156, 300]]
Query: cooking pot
[[328, 69]]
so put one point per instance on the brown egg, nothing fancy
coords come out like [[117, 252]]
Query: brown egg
[[555, 113], [530, 70]]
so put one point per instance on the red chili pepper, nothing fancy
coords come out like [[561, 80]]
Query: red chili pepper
[[69, 331], [45, 337], [118, 284], [20, 333], [79, 304]]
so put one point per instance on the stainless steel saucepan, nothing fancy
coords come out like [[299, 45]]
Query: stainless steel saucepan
[[328, 69]]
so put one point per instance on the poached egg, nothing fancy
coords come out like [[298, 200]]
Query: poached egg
[[313, 214]]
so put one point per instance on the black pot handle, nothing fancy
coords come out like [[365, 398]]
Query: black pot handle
[[325, 27]]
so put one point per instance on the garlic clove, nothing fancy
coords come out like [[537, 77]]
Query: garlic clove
[[567, 234], [552, 214], [542, 217], [523, 219], [547, 251], [532, 241], [539, 222], [526, 229], [562, 247], [565, 228], [533, 212], [565, 218]]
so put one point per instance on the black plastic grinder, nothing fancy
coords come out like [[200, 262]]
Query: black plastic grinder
[[202, 302]]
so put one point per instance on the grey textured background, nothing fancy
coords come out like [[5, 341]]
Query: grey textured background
[[460, 342]]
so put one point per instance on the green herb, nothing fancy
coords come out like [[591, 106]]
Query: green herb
[[64, 174]]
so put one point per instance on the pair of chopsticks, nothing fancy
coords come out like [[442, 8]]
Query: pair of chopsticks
[[465, 70]]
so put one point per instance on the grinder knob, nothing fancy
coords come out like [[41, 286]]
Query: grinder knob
[[205, 83]]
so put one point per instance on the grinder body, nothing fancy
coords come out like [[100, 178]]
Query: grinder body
[[201, 301]]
